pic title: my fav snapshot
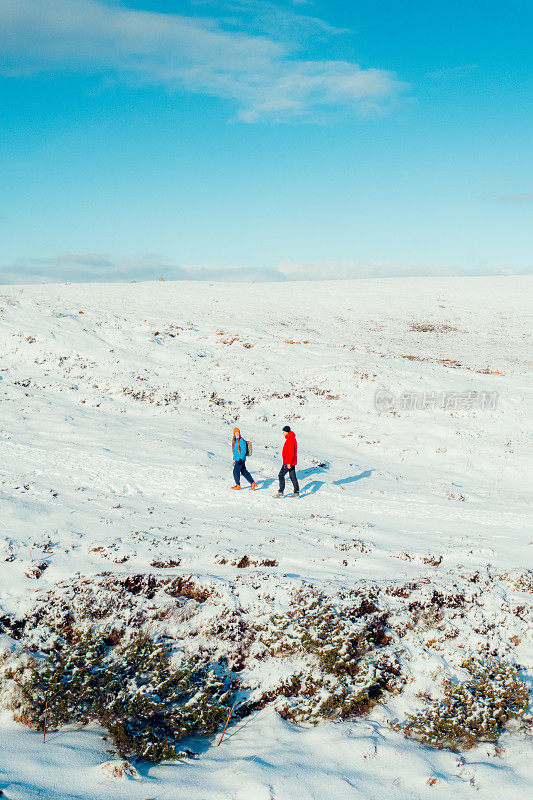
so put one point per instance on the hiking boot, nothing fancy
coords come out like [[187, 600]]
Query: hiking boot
[[294, 494], [253, 486], [277, 495], [236, 486]]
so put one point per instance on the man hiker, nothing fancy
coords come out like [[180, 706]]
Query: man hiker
[[239, 448], [289, 457]]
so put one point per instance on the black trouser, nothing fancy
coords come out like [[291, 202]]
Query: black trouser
[[292, 475], [239, 468]]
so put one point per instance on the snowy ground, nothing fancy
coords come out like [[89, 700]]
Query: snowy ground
[[118, 403]]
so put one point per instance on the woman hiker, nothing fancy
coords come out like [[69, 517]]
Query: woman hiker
[[240, 450]]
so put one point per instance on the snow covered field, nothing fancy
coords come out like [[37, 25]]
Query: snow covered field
[[118, 404]]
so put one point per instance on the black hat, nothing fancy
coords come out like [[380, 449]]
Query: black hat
[[286, 429]]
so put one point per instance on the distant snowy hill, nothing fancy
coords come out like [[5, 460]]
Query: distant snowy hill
[[118, 404]]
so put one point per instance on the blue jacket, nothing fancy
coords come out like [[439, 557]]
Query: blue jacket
[[239, 449]]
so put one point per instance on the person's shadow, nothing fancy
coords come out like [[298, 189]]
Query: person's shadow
[[314, 486], [306, 473], [301, 475], [311, 488], [366, 474], [264, 483]]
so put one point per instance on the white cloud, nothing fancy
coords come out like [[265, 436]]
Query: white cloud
[[344, 270], [264, 74], [99, 268]]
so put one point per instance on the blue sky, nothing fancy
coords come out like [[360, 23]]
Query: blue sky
[[264, 139]]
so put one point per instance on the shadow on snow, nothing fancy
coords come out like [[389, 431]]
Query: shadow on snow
[[315, 485]]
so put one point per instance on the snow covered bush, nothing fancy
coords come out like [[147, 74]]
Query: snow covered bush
[[146, 704], [476, 710], [10, 662], [339, 671]]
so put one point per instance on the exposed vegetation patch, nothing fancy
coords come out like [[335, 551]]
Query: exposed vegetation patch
[[427, 327], [12, 626], [246, 561], [148, 585], [339, 670], [166, 564], [147, 396], [133, 690], [521, 581], [451, 363], [36, 570], [322, 657], [477, 710]]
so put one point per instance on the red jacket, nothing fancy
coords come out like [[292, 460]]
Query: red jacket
[[289, 453]]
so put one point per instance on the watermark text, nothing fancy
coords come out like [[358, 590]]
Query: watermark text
[[385, 400]]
